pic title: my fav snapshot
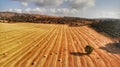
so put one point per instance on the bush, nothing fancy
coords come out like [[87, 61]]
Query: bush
[[88, 49]]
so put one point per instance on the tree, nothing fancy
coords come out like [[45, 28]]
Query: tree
[[88, 49]]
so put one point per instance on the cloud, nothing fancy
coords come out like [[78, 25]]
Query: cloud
[[10, 10], [43, 2], [68, 12], [63, 11], [110, 14], [76, 4], [14, 10], [48, 11], [48, 2], [81, 4], [24, 4], [35, 10], [57, 7], [52, 11], [18, 10]]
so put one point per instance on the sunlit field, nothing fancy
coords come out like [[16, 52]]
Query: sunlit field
[[54, 45]]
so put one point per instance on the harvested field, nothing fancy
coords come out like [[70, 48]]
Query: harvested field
[[52, 45]]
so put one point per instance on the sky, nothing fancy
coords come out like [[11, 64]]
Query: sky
[[72, 8]]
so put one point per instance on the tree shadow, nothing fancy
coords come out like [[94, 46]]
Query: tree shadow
[[78, 54], [113, 48]]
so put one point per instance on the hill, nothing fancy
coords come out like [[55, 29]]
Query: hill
[[110, 28], [37, 18]]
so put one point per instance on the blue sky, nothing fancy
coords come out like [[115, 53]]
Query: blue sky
[[75, 8]]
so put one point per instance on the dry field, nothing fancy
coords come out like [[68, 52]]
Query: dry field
[[50, 45]]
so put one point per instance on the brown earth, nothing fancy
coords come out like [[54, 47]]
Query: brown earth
[[54, 45]]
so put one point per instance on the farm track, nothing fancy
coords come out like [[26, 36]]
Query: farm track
[[50, 45]]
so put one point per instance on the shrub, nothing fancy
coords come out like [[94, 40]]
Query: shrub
[[88, 49]]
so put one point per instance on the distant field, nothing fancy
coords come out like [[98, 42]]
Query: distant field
[[52, 45]]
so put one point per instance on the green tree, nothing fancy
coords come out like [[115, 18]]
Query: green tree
[[88, 49]]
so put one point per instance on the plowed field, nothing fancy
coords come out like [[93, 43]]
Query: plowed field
[[52, 45]]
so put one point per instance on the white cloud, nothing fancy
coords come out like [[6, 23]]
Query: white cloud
[[81, 4], [68, 12], [57, 7], [48, 2], [14, 10], [43, 2], [52, 11], [76, 4], [48, 11], [35, 10], [76, 8], [24, 4], [110, 14], [63, 11], [10, 10], [18, 10]]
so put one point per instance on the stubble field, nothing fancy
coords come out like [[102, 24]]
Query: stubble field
[[52, 45]]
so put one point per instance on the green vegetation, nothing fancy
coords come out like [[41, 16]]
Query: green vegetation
[[88, 49], [109, 28]]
